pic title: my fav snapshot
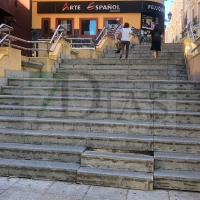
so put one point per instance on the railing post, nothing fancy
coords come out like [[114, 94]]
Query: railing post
[[1, 34]]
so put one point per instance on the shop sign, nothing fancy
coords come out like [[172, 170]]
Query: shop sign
[[153, 7], [100, 7]]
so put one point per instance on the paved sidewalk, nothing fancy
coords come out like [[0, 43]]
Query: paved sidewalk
[[27, 189]]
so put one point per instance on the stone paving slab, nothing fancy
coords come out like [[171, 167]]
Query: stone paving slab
[[106, 193], [178, 195], [149, 195], [31, 186], [27, 189], [18, 195], [5, 183], [68, 189], [58, 197]]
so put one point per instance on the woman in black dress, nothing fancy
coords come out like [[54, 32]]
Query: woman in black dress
[[156, 45]]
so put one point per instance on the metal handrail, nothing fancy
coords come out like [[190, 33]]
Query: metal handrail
[[3, 28], [11, 37], [90, 42]]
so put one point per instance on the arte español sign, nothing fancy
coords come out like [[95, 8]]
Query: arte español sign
[[100, 7]]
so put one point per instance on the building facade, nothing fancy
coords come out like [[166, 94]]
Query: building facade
[[88, 18], [17, 13], [183, 12]]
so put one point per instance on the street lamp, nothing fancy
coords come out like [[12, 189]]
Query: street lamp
[[169, 17]]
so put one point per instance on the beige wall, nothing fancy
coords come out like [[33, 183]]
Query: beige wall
[[194, 67], [10, 59]]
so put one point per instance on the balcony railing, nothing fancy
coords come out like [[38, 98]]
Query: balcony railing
[[196, 20], [193, 33]]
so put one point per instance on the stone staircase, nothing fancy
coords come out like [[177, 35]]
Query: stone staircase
[[122, 123]]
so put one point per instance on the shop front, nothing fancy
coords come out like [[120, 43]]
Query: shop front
[[87, 18]]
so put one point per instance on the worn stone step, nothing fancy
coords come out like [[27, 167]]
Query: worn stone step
[[118, 161], [156, 67], [147, 49], [123, 76], [145, 104], [82, 139], [126, 71], [177, 180], [164, 49], [39, 169], [99, 126], [164, 45], [103, 92], [111, 84], [137, 53], [176, 161], [114, 178], [41, 152], [101, 113], [118, 61], [177, 144], [149, 56]]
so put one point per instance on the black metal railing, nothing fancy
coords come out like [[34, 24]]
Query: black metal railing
[[196, 20]]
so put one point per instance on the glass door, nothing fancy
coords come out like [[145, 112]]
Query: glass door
[[67, 23]]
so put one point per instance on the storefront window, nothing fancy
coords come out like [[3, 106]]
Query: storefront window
[[148, 22], [88, 27], [45, 27], [68, 24], [110, 24]]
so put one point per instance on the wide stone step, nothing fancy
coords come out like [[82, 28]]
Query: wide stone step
[[115, 178], [177, 180], [118, 61], [144, 104], [147, 50], [123, 76], [99, 126], [163, 47], [117, 161], [84, 68], [149, 56], [117, 72], [178, 144], [101, 113], [120, 74], [170, 45], [82, 139], [176, 161], [111, 84], [103, 92], [67, 154], [39, 169]]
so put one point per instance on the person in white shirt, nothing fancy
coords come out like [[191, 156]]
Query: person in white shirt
[[125, 39], [117, 29]]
